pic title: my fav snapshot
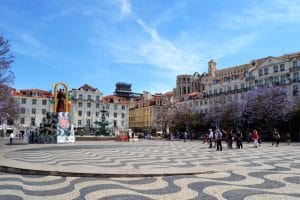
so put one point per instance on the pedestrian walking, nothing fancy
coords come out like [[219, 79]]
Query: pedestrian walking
[[219, 139], [276, 137], [210, 137], [255, 138]]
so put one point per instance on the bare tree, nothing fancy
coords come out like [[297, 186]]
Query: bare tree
[[8, 106]]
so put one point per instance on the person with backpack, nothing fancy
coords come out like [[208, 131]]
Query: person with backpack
[[219, 139]]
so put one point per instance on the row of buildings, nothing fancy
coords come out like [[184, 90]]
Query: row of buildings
[[148, 112]]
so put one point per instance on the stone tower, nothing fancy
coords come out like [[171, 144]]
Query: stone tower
[[212, 68]]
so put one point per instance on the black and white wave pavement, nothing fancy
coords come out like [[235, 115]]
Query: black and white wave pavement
[[219, 185], [265, 173]]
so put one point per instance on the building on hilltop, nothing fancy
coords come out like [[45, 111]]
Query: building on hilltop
[[232, 83], [124, 90]]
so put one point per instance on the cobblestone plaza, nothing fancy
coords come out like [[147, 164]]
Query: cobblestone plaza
[[149, 170]]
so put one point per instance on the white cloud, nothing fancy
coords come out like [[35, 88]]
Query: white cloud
[[125, 7], [27, 44], [165, 54], [234, 45], [264, 13]]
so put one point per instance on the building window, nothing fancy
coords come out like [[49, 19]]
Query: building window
[[107, 106], [107, 114], [282, 67], [89, 97], [295, 90], [276, 79], [250, 84], [282, 79], [275, 68], [115, 123], [22, 120], [229, 88], [123, 114], [267, 82], [89, 105], [295, 63], [33, 101], [243, 85], [33, 111], [266, 71], [80, 97], [97, 105], [123, 107], [88, 122], [115, 115], [88, 113], [296, 76], [79, 122], [79, 104], [115, 106], [22, 110], [260, 72], [220, 90], [225, 79], [215, 91], [44, 102], [260, 82], [80, 113], [235, 87], [23, 100], [32, 121], [97, 114], [97, 98], [43, 111]]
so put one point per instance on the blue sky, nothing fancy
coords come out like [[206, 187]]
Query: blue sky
[[144, 42]]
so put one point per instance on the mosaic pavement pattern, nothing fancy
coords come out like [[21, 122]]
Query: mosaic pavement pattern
[[263, 173]]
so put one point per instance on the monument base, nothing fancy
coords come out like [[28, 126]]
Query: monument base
[[64, 128]]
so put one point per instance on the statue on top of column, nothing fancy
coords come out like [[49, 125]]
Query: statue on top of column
[[61, 101]]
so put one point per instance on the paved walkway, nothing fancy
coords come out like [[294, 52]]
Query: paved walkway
[[134, 171]]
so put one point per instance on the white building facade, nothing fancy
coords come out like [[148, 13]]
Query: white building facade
[[85, 107], [34, 104]]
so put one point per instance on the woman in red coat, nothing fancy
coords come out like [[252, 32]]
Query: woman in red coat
[[255, 137]]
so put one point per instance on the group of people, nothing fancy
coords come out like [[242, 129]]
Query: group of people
[[217, 136]]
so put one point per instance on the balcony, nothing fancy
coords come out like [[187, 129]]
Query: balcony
[[295, 80], [293, 69], [251, 78]]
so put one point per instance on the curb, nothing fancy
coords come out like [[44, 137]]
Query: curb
[[16, 170]]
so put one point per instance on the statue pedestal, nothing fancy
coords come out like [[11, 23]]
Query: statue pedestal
[[64, 128]]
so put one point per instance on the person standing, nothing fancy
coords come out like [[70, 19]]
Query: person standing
[[239, 140], [255, 137], [184, 136], [11, 136], [229, 139], [288, 138], [210, 137], [219, 139]]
